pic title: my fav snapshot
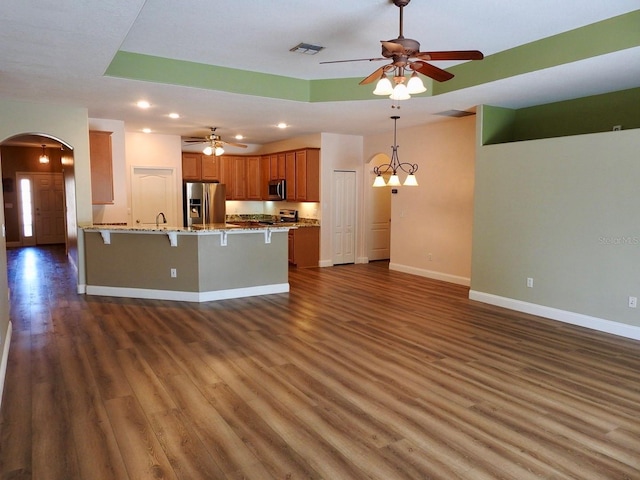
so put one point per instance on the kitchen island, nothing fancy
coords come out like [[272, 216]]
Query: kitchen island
[[212, 262]]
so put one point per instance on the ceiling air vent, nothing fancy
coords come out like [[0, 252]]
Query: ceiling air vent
[[306, 48], [455, 113]]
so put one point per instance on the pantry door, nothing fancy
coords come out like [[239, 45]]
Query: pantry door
[[153, 190], [344, 216]]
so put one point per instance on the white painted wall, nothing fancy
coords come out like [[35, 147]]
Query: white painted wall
[[153, 150]]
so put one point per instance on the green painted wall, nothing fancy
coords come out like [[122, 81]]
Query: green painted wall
[[597, 113]]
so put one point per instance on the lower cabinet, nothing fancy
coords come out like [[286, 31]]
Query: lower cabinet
[[304, 246]]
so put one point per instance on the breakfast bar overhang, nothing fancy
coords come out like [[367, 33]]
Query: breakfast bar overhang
[[183, 264]]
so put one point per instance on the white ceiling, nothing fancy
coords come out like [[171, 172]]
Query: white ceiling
[[56, 51]]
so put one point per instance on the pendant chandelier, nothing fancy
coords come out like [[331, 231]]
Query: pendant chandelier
[[395, 166], [43, 157]]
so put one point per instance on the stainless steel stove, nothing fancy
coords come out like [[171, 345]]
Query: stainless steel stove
[[288, 216]]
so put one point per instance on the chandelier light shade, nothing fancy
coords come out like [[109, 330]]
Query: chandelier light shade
[[43, 156], [415, 85], [395, 166], [383, 87]]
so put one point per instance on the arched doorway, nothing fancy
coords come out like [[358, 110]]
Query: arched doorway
[[39, 191]]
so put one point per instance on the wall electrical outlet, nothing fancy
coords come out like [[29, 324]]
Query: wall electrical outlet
[[633, 302], [174, 272], [530, 282]]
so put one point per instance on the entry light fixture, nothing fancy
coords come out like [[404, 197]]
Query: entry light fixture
[[395, 166], [400, 91], [43, 156]]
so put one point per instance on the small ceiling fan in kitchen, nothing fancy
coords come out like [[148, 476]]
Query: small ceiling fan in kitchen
[[214, 144], [406, 57]]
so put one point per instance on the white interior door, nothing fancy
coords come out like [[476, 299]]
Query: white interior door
[[153, 191], [344, 214]]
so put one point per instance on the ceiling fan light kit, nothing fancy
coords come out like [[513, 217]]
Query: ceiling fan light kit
[[405, 55], [214, 144]]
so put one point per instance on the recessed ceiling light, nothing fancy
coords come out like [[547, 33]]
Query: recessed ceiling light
[[239, 137], [174, 115], [282, 125], [146, 130], [143, 104]]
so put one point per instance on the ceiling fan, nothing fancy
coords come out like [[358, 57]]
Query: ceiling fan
[[406, 56], [215, 144]]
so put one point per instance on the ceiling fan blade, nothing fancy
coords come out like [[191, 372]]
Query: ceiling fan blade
[[356, 60], [241, 145], [376, 74], [451, 55], [195, 141], [430, 71]]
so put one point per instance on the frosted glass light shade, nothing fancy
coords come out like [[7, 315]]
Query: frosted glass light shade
[[410, 181], [208, 150], [400, 92], [415, 85], [394, 181], [379, 182], [383, 87], [218, 151]]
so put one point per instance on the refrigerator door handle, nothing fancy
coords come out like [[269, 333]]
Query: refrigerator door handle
[[207, 204]]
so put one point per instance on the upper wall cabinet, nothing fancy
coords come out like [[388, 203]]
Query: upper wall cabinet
[[197, 167], [100, 156], [303, 175]]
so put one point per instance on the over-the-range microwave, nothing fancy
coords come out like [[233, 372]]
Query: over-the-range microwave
[[277, 189]]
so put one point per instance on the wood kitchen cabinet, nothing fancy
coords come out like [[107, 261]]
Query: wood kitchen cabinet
[[253, 178], [191, 167], [272, 167], [100, 156], [234, 176], [197, 167], [303, 175], [304, 246], [242, 177], [210, 168]]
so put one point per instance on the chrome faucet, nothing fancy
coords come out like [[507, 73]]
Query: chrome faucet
[[164, 219]]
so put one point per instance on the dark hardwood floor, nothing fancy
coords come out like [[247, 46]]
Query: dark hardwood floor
[[358, 373]]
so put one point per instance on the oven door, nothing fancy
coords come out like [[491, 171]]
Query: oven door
[[277, 190]]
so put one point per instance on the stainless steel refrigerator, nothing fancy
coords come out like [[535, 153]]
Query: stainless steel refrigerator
[[204, 203]]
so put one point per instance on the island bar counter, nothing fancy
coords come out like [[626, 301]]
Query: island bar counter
[[210, 264]]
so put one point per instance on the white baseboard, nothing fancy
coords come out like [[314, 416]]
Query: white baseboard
[[5, 358], [180, 296], [325, 263], [594, 323], [445, 277]]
